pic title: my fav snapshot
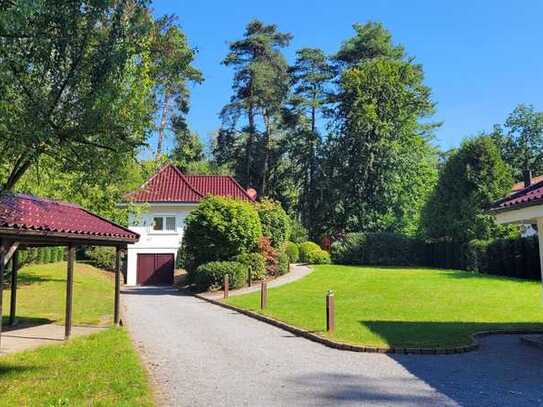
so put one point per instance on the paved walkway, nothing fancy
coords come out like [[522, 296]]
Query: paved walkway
[[200, 354], [21, 338], [297, 271]]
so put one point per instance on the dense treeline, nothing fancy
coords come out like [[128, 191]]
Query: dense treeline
[[343, 141]]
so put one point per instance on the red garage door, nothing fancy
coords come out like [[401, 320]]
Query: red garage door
[[155, 269]]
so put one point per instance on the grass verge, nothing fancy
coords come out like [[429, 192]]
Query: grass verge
[[404, 307], [100, 370]]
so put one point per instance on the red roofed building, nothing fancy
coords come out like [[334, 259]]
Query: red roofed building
[[169, 196], [31, 217], [524, 207]]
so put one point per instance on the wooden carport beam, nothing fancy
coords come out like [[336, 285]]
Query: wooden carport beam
[[69, 291], [13, 298], [2, 267], [9, 250]]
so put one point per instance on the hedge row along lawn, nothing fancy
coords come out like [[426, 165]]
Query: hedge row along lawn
[[410, 307], [101, 369]]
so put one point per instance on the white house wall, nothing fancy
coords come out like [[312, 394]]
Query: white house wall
[[163, 242]]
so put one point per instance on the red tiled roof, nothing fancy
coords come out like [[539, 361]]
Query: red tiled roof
[[531, 195], [170, 185], [520, 185], [25, 212], [221, 185]]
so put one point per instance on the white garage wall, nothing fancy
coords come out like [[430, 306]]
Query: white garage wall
[[153, 241]]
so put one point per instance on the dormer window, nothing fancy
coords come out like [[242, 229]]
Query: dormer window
[[163, 223]]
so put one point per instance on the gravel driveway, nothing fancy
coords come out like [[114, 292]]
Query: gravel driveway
[[200, 354]]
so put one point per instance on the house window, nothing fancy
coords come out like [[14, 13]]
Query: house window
[[164, 223]]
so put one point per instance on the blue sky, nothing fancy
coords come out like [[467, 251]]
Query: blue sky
[[480, 58]]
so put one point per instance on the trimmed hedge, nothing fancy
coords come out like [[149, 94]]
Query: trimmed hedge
[[41, 255], [318, 257], [506, 257], [255, 263], [293, 252], [102, 257], [211, 275], [306, 248]]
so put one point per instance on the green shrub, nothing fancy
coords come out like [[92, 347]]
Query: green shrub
[[255, 262], [293, 252], [47, 255], [102, 257], [41, 255], [306, 248], [282, 263], [379, 249], [60, 253], [348, 250], [318, 257], [298, 234], [211, 275], [219, 229], [275, 222]]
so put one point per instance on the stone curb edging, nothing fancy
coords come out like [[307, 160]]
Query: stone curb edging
[[474, 345]]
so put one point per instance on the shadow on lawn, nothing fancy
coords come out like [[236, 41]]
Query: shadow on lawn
[[23, 322], [434, 334], [8, 368], [24, 279]]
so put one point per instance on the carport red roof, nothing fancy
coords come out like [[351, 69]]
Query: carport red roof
[[532, 195], [29, 213], [169, 184]]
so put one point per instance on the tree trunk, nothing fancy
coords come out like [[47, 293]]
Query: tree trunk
[[163, 122], [249, 146], [266, 163], [22, 165]]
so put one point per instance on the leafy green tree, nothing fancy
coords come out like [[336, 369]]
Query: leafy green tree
[[521, 141], [75, 84], [260, 87], [372, 40], [172, 69], [381, 166], [311, 77], [188, 148], [473, 177]]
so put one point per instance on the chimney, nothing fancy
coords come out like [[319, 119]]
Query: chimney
[[527, 178], [252, 193]]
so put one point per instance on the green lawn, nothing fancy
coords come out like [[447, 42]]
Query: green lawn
[[42, 294], [99, 370], [102, 369], [404, 306]]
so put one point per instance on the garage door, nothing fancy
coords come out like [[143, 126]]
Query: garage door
[[155, 269]]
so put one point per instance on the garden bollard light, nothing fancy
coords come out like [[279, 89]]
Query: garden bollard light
[[249, 279], [226, 286], [330, 312], [264, 295]]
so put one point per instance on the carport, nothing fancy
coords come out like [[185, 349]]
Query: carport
[[524, 207], [27, 221]]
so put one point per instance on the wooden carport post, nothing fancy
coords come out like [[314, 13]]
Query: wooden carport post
[[69, 291], [2, 254], [118, 267], [13, 298]]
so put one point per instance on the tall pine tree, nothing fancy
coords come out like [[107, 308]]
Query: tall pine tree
[[260, 87]]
